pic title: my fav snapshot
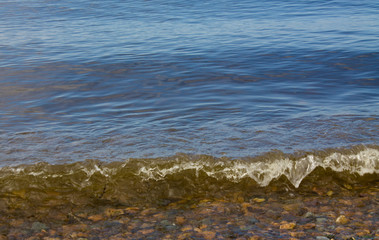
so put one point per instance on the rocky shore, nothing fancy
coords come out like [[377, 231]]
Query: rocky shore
[[322, 215]]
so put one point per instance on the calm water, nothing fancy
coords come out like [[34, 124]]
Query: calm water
[[112, 80]]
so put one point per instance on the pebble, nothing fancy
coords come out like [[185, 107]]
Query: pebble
[[180, 220], [322, 238], [209, 235], [288, 226], [186, 228], [259, 200], [342, 219], [38, 226], [252, 220], [112, 212], [364, 232], [309, 215], [321, 220], [96, 218], [147, 231]]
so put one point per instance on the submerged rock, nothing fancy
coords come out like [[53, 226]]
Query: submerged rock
[[38, 226], [342, 219]]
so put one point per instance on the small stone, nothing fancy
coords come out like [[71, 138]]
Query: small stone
[[20, 193], [146, 231], [259, 200], [364, 232], [347, 186], [96, 217], [342, 219], [255, 238], [82, 235], [297, 234], [38, 226], [309, 215], [180, 220], [309, 226], [148, 211], [322, 238], [165, 222], [288, 226], [131, 210], [252, 220], [203, 226], [346, 202], [16, 222], [292, 207], [321, 220], [113, 212], [317, 190], [208, 235], [247, 208], [184, 236], [339, 229], [186, 228]]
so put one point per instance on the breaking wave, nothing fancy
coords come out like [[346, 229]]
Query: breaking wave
[[182, 175]]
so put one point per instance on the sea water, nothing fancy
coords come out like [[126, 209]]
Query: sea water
[[183, 93]]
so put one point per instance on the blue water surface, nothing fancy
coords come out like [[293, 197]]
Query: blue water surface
[[114, 79]]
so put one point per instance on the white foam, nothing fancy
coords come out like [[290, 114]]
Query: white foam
[[366, 161]]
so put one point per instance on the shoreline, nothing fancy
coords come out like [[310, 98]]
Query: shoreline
[[320, 214]]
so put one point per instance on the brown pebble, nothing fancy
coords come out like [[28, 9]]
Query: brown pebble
[[259, 200], [247, 209], [288, 226], [208, 235], [365, 232], [297, 234], [16, 222], [180, 220], [184, 236], [203, 226], [148, 211], [339, 229], [186, 228], [292, 207], [113, 212], [255, 238], [82, 234], [318, 191], [131, 210], [146, 231], [346, 202], [96, 217], [342, 219]]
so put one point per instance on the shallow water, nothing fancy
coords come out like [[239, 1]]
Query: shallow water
[[187, 86]]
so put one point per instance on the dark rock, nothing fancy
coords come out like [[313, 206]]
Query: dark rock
[[38, 226], [252, 220]]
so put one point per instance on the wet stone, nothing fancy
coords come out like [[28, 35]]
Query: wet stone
[[112, 224], [342, 219], [96, 218], [322, 238], [309, 215], [38, 226], [288, 226], [252, 220], [321, 220]]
